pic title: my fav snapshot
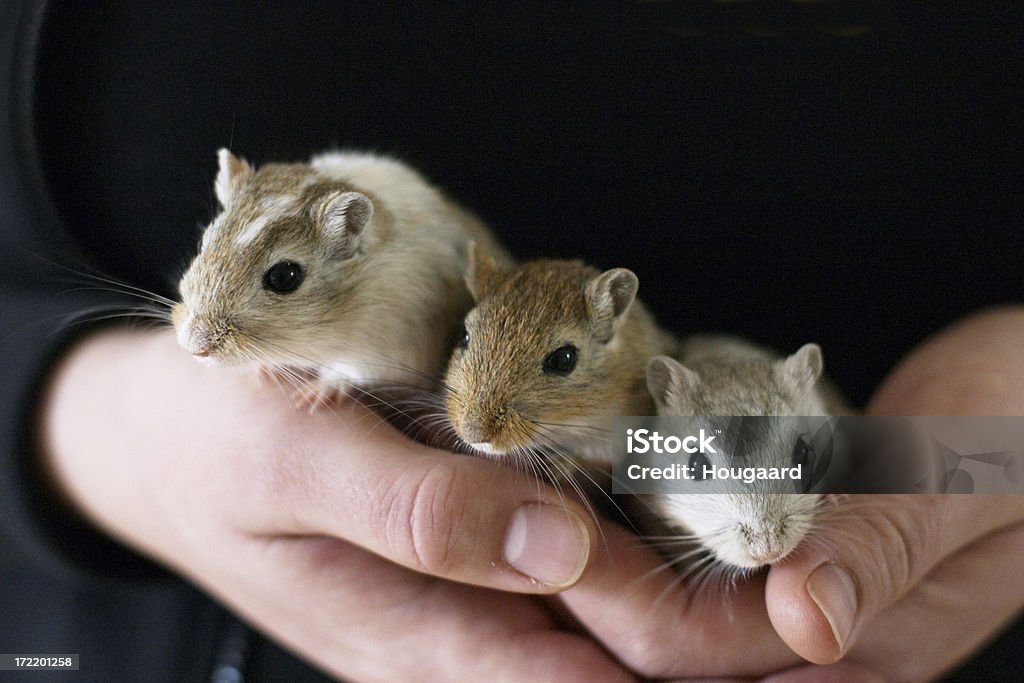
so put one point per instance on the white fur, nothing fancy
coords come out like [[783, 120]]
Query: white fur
[[280, 206], [211, 231], [743, 529], [183, 331], [252, 231], [275, 208]]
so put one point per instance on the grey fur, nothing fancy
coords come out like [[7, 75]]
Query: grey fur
[[725, 376]]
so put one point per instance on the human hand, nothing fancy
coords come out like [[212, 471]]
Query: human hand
[[931, 578], [641, 621], [328, 531], [344, 541]]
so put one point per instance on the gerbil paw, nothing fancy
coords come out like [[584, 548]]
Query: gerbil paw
[[304, 387], [284, 376], [313, 396]]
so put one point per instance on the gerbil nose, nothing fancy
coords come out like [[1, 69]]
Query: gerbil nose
[[476, 430], [199, 345], [763, 545], [767, 557], [483, 422], [192, 334], [475, 418]]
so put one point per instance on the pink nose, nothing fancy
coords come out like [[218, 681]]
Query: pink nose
[[764, 558], [201, 348]]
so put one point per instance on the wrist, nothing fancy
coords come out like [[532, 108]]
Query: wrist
[[83, 414]]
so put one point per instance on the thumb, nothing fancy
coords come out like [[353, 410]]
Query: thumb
[[864, 555], [438, 513]]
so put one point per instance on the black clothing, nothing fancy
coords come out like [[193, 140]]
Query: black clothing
[[845, 173]]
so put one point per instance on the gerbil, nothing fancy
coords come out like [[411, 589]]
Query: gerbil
[[723, 376], [344, 271], [551, 353]]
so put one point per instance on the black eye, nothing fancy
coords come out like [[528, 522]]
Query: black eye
[[561, 361], [698, 461], [284, 277], [803, 456], [464, 339], [801, 452]]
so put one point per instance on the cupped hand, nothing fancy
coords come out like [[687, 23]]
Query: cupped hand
[[377, 558], [895, 588], [371, 556], [908, 586]]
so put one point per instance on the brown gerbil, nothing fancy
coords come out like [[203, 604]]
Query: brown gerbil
[[551, 353]]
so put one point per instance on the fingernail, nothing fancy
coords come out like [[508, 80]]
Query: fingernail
[[548, 543], [832, 589]]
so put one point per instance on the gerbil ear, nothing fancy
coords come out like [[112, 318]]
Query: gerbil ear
[[801, 370], [480, 271], [346, 215], [609, 296], [232, 173], [670, 384]]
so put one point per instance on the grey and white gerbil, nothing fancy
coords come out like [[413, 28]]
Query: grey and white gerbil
[[551, 353], [346, 271], [724, 376]]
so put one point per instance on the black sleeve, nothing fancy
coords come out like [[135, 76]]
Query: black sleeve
[[38, 326], [42, 311]]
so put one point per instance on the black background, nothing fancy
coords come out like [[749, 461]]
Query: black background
[[846, 173]]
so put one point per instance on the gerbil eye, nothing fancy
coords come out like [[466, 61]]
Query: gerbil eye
[[696, 465], [284, 277], [803, 454], [464, 339], [561, 361]]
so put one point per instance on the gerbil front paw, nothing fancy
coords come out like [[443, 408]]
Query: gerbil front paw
[[303, 386], [315, 395]]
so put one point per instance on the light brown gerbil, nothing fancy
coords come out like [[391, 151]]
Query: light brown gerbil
[[345, 270], [551, 353]]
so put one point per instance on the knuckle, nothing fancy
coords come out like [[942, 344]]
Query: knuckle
[[905, 531], [423, 520], [645, 652]]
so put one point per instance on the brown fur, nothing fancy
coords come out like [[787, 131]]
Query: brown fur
[[498, 392]]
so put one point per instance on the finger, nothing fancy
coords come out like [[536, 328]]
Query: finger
[[451, 516], [963, 602], [363, 618], [662, 627], [866, 554], [837, 673], [972, 368]]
